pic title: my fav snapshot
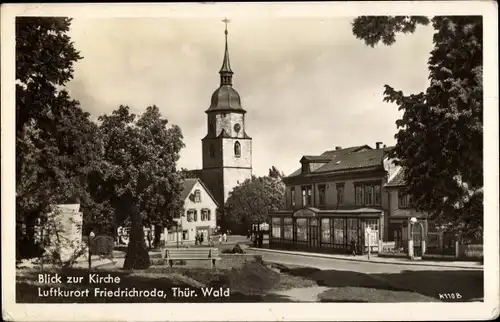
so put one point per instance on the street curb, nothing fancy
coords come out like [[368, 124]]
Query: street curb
[[362, 260]]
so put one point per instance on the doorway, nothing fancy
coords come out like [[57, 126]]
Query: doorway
[[314, 235]]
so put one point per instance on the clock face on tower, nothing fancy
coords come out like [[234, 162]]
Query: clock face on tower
[[237, 127]]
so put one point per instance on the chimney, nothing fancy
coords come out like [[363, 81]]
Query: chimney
[[378, 145], [338, 148]]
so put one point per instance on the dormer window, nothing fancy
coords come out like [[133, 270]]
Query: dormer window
[[237, 149], [305, 167], [197, 196]]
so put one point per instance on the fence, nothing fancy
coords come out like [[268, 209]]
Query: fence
[[392, 249], [441, 244], [471, 252]]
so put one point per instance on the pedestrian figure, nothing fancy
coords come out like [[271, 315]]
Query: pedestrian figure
[[150, 237], [224, 237], [162, 239], [353, 247], [248, 234], [220, 239], [201, 238]]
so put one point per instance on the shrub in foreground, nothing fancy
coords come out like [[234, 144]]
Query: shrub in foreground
[[253, 278]]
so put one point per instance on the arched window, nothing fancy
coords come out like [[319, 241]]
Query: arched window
[[237, 149], [211, 150]]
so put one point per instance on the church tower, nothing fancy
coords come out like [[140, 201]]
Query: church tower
[[227, 149]]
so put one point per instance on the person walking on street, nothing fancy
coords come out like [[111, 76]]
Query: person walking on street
[[353, 247], [224, 237]]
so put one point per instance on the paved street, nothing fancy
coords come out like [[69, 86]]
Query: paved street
[[344, 265], [425, 280]]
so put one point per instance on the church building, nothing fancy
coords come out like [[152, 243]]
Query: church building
[[226, 148]]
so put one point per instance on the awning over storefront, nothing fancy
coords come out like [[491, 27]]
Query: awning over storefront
[[315, 212]]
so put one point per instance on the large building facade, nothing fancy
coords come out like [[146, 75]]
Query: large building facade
[[226, 148], [199, 216], [333, 198]]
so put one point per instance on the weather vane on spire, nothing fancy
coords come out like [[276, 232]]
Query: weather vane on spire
[[226, 21]]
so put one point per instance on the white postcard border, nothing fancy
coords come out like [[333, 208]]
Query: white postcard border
[[254, 311]]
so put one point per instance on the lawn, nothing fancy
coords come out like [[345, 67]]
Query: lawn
[[407, 286]]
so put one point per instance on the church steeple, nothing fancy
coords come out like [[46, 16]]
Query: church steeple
[[226, 74]]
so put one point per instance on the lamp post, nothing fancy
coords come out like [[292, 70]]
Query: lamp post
[[413, 221], [177, 233], [411, 249], [368, 232]]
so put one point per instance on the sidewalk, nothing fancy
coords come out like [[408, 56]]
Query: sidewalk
[[379, 260]]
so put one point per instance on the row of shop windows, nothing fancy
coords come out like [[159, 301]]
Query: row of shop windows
[[365, 195], [332, 230]]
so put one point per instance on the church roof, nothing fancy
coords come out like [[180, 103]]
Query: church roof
[[225, 99]]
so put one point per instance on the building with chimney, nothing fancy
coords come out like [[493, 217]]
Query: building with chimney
[[331, 200]]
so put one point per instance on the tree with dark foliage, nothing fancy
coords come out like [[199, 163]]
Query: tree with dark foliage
[[57, 145], [138, 174], [440, 137], [275, 173], [251, 201]]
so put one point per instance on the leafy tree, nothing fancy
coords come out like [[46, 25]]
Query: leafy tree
[[275, 173], [138, 176], [252, 200], [189, 174], [440, 137], [56, 143]]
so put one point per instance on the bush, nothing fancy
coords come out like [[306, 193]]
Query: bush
[[253, 278], [237, 249]]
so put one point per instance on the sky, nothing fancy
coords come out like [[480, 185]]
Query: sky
[[307, 84]]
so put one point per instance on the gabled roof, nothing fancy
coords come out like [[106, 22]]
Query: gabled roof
[[316, 158], [398, 180], [354, 160], [342, 160], [188, 185], [346, 150]]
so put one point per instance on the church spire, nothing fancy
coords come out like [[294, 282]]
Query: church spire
[[226, 74]]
